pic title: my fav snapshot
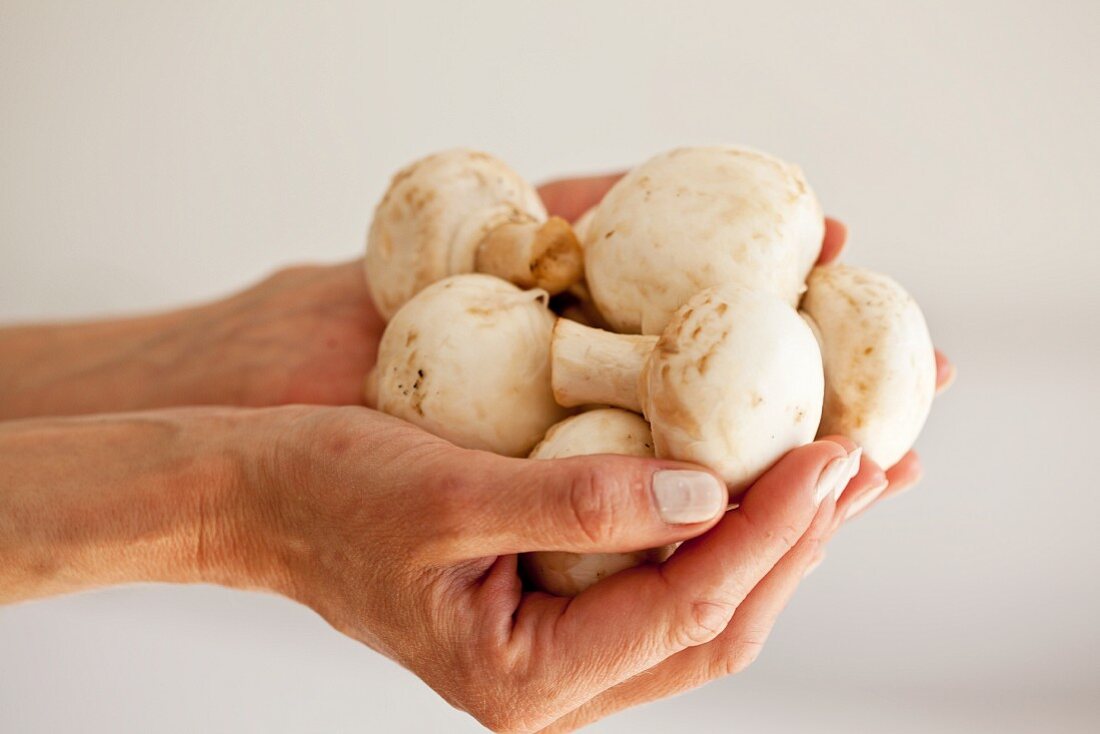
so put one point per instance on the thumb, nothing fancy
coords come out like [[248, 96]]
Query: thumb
[[594, 504]]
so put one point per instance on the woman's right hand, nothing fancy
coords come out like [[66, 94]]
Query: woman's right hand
[[408, 544]]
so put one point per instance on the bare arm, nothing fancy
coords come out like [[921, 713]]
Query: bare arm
[[407, 543], [306, 334]]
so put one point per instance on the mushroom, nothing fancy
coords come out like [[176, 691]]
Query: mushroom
[[733, 382], [468, 359], [462, 211], [602, 431], [880, 366], [584, 221], [697, 217]]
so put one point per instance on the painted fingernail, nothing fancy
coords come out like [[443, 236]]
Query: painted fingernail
[[684, 497], [861, 503], [836, 475]]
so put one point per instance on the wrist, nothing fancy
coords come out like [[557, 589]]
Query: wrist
[[244, 535], [155, 496]]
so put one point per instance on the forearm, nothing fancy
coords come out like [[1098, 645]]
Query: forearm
[[103, 366], [155, 496]]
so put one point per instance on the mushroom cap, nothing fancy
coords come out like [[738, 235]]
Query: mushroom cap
[[600, 431], [432, 218], [692, 218], [880, 365], [735, 382], [468, 359], [567, 574], [584, 221]]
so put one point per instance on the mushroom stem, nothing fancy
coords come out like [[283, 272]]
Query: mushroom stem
[[533, 254], [595, 367]]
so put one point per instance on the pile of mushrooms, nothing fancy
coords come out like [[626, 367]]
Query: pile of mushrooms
[[724, 345]]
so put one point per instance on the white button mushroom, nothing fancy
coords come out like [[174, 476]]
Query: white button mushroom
[[603, 431], [697, 217], [880, 366], [463, 211], [584, 221], [467, 359], [733, 382]]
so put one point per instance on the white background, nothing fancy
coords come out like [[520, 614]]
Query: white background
[[153, 154]]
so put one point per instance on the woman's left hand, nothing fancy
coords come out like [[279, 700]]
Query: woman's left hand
[[306, 334]]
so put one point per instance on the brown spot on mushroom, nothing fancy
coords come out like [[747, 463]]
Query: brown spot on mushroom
[[480, 310]]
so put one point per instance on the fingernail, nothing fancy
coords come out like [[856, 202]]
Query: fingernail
[[684, 497], [836, 475], [859, 504]]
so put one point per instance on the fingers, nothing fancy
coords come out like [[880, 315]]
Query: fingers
[[903, 474], [585, 504], [945, 372], [864, 488], [733, 650], [836, 235], [569, 198], [637, 618]]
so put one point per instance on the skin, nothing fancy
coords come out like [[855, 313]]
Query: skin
[[399, 539]]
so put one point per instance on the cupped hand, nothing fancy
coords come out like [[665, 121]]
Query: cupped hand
[[409, 544]]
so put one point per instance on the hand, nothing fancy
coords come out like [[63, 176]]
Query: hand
[[737, 646], [307, 334], [403, 540], [304, 335], [408, 544]]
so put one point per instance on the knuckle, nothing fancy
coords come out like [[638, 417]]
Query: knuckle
[[703, 620], [499, 687], [740, 654], [784, 536], [592, 506], [496, 718], [501, 713]]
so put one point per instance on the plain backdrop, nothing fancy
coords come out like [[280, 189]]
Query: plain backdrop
[[153, 154]]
